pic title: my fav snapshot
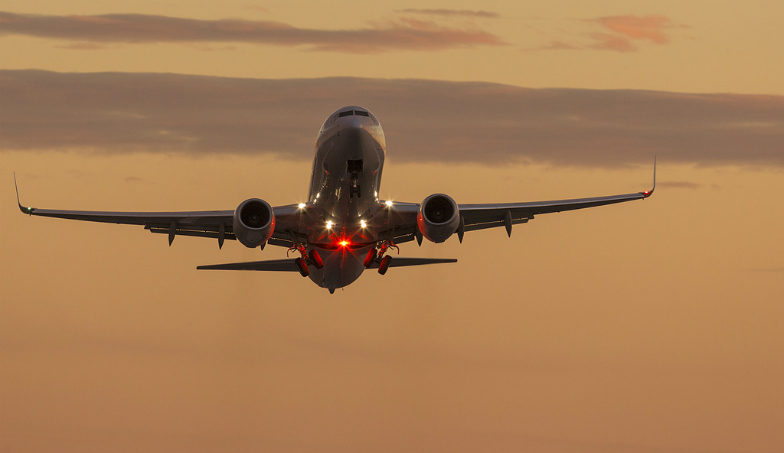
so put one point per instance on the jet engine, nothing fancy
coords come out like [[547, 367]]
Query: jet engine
[[438, 217], [254, 222]]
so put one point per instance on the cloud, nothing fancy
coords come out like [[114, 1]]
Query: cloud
[[618, 33], [403, 34], [82, 46], [679, 184], [649, 28], [768, 269], [452, 12], [558, 45], [606, 41], [626, 29], [434, 121]]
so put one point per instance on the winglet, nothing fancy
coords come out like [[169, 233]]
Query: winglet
[[25, 210], [648, 193]]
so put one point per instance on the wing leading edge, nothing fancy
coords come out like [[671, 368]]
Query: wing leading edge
[[211, 224], [481, 216]]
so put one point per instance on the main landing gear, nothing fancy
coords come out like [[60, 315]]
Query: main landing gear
[[375, 256], [308, 258]]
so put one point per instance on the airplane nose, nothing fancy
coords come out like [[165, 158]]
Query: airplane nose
[[356, 123]]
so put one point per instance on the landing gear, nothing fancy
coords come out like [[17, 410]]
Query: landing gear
[[354, 168], [379, 257], [315, 259], [302, 267], [308, 258], [384, 264], [370, 258]]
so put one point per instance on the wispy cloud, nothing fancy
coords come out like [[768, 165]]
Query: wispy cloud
[[452, 12], [617, 33], [424, 120], [679, 184], [650, 28], [626, 31], [773, 269], [402, 34]]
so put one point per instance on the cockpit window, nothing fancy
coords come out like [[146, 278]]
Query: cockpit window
[[346, 113], [361, 113]]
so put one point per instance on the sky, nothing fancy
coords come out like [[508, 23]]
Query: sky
[[649, 326]]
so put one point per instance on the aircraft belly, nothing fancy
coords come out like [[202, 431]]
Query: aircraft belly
[[341, 267]]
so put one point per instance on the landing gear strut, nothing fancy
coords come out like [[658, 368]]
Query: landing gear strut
[[308, 258]]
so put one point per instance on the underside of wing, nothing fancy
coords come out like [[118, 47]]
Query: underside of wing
[[288, 265], [401, 262], [211, 224], [285, 265], [481, 216]]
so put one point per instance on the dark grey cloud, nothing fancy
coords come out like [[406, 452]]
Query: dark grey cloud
[[402, 34], [424, 120]]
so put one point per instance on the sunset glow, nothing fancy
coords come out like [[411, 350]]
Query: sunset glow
[[648, 326]]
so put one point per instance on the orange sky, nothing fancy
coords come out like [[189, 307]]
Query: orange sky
[[647, 326]]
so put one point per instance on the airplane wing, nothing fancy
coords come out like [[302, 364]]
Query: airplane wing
[[211, 224], [481, 216]]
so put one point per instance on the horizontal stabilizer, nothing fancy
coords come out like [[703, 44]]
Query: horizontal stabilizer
[[286, 265], [400, 262]]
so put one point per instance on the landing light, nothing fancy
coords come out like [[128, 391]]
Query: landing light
[[301, 205], [329, 224], [363, 224], [388, 203]]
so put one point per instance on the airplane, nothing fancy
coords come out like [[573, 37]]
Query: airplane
[[343, 228]]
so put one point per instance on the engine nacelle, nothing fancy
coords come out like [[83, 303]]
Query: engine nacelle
[[438, 217], [254, 222]]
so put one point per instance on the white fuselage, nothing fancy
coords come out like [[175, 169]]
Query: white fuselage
[[343, 195]]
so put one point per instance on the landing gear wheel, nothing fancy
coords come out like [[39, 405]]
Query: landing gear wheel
[[384, 265], [371, 256], [315, 258], [302, 267]]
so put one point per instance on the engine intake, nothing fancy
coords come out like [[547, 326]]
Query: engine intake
[[254, 222], [438, 217]]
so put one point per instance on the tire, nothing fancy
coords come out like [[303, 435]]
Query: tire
[[384, 265], [371, 256], [315, 258], [302, 267]]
